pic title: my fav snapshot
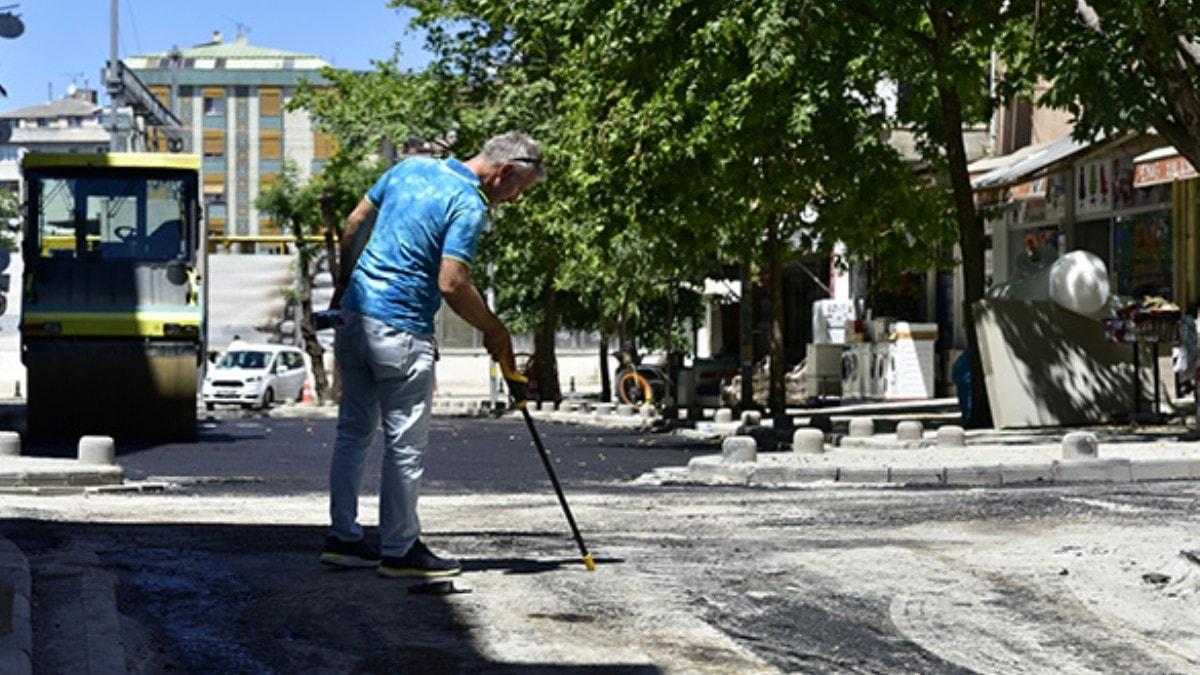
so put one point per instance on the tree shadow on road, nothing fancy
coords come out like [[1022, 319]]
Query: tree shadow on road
[[252, 598]]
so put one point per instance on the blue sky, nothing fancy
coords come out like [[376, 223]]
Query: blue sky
[[68, 40]]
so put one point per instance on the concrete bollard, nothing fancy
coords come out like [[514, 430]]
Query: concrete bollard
[[10, 443], [723, 416], [951, 437], [602, 408], [862, 426], [739, 449], [625, 410], [910, 430], [97, 450], [1080, 445], [811, 441], [751, 418]]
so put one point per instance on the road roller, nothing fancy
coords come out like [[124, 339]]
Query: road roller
[[113, 311]]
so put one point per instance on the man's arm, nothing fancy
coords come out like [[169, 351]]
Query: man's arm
[[360, 222], [454, 280]]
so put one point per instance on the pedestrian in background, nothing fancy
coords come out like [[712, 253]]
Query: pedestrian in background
[[427, 217]]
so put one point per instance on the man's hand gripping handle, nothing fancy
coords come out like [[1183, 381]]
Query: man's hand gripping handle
[[517, 383]]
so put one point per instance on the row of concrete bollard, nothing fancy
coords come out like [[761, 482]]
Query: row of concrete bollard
[[91, 450], [1075, 445], [621, 410], [949, 436], [749, 418]]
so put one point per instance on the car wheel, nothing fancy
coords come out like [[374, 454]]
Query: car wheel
[[268, 398]]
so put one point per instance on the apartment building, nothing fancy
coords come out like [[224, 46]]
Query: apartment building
[[231, 99]]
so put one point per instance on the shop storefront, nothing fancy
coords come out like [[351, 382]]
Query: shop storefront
[[1127, 226], [1087, 198], [1165, 170]]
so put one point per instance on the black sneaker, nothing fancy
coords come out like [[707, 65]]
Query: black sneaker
[[418, 562], [349, 554]]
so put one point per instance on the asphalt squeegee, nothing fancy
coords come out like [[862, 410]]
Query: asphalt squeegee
[[517, 385]]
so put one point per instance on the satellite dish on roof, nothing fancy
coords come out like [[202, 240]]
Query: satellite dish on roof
[[10, 24]]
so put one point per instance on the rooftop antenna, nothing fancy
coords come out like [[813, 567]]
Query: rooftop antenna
[[242, 28]]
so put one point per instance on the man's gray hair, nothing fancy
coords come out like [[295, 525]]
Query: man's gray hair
[[517, 149]]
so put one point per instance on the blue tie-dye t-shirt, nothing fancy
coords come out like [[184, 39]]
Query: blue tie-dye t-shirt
[[427, 209]]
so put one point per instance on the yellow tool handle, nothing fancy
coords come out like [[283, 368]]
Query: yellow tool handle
[[518, 384]]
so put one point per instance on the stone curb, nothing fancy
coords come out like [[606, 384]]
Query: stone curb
[[710, 468], [68, 476], [609, 421], [16, 611], [59, 490], [91, 612]]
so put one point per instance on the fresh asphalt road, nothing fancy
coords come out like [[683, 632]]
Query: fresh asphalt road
[[281, 455], [221, 576], [1065, 579]]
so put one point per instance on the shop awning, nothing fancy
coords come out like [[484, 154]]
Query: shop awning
[[986, 165], [1163, 165], [1032, 164]]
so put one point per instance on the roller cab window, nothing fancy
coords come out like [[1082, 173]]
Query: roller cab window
[[131, 218]]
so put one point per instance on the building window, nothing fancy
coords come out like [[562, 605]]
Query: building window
[[220, 63], [74, 121], [214, 198], [43, 122], [269, 101], [214, 100], [270, 144], [214, 143], [289, 64]]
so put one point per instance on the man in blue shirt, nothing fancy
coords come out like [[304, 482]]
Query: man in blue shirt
[[427, 216]]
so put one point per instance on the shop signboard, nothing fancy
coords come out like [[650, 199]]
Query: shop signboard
[[1094, 187], [1164, 170]]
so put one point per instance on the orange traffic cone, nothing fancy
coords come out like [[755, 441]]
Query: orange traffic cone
[[307, 396]]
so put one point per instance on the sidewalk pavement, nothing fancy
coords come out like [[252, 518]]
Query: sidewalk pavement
[[986, 458], [976, 458]]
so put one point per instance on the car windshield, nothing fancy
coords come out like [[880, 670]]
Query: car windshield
[[243, 359], [131, 217]]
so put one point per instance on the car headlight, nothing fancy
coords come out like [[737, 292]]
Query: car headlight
[[253, 378]]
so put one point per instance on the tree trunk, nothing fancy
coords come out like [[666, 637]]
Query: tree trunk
[[670, 408], [746, 316], [333, 234], [970, 225], [312, 347], [777, 396], [544, 359], [605, 380]]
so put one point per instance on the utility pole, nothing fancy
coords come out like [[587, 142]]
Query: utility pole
[[114, 141]]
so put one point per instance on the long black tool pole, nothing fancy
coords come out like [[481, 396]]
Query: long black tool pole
[[516, 388], [537, 440]]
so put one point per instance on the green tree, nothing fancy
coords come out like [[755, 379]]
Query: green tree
[[296, 209], [10, 226], [1117, 66], [939, 52], [730, 122]]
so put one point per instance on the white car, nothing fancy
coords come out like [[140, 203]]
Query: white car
[[255, 375]]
